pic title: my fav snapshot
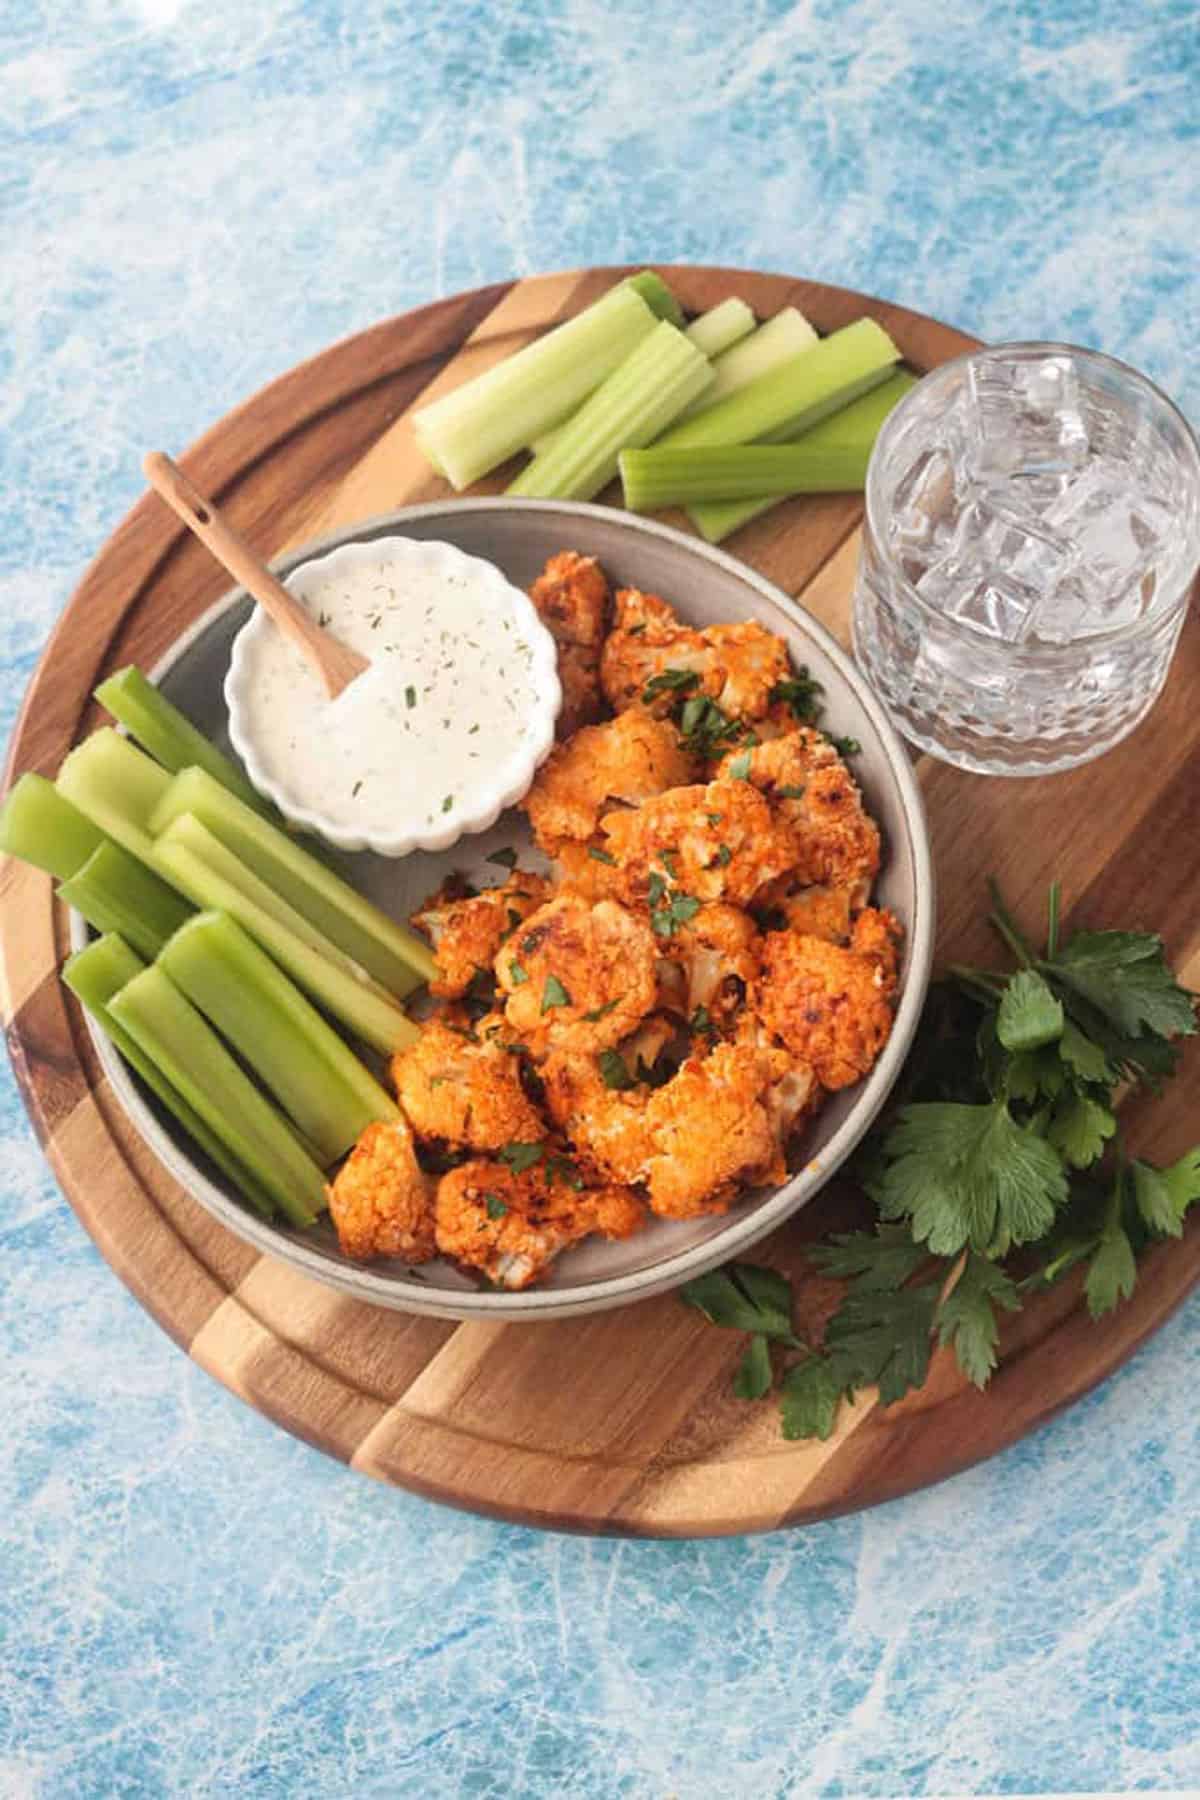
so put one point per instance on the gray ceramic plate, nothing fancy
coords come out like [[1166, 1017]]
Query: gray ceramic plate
[[707, 587]]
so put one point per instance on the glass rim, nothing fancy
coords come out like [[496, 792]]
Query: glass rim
[[1043, 652]]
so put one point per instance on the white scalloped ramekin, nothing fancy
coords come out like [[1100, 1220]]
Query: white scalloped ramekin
[[499, 786]]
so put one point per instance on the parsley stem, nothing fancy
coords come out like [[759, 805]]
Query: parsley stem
[[979, 980], [1002, 921], [1052, 911]]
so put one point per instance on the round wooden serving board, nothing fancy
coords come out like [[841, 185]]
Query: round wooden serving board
[[621, 1422]]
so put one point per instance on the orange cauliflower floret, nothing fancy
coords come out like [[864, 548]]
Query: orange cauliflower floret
[[822, 912], [572, 598], [831, 1007], [713, 1130], [381, 1202], [589, 869], [466, 1092], [467, 930], [814, 792], [751, 661], [716, 842], [630, 758], [717, 954], [646, 641], [577, 975], [607, 1126], [511, 1226]]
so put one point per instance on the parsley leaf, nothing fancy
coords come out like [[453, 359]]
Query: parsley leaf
[[723, 857], [678, 909], [1078, 1128], [600, 1012], [744, 1297], [845, 746], [969, 1175], [966, 1318], [704, 727], [495, 1206], [753, 1376], [670, 681], [1124, 975], [1112, 1272], [614, 1071], [811, 1394], [1162, 1196], [601, 856], [521, 1156], [1029, 1015], [1086, 1059], [739, 768], [517, 975], [554, 994], [791, 791], [800, 694], [882, 1339], [881, 1261], [561, 1168]]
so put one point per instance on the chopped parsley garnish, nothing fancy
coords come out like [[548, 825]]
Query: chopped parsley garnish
[[554, 994], [795, 791], [599, 1012], [517, 975], [410, 697], [668, 860], [800, 694], [504, 859], [355, 789], [701, 1021], [739, 768], [613, 1068], [703, 727], [447, 803], [561, 1168], [846, 746], [676, 910], [496, 1208], [601, 856], [723, 856], [656, 887], [521, 1156], [671, 681]]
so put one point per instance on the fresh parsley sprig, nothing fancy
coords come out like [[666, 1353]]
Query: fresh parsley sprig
[[999, 1171]]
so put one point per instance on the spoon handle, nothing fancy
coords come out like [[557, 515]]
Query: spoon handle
[[336, 663]]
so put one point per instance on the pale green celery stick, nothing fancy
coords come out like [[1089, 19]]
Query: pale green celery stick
[[94, 975], [117, 786], [722, 326], [40, 826], [854, 427], [481, 424], [797, 394], [116, 892], [653, 479], [170, 1031], [713, 333], [170, 737], [786, 335], [657, 295], [279, 1034], [395, 957], [212, 877], [650, 389]]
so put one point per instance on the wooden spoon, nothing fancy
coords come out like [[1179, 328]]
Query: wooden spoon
[[335, 663]]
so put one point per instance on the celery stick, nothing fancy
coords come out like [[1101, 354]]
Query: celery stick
[[169, 1030], [211, 876], [855, 427], [395, 957], [658, 478], [117, 786], [797, 394], [169, 736], [722, 326], [315, 1077], [94, 975], [116, 892], [786, 335], [650, 389], [481, 424], [40, 826], [657, 295]]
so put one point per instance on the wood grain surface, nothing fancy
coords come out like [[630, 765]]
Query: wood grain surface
[[624, 1421]]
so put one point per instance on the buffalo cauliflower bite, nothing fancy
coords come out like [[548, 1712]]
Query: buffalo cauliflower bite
[[588, 869], [716, 842], [510, 1226], [466, 930], [751, 661], [381, 1201], [813, 791], [717, 954], [822, 912], [831, 1007], [606, 1126], [572, 598], [713, 1131], [578, 975], [646, 641], [463, 1091], [631, 758]]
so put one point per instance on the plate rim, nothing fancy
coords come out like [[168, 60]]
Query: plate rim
[[393, 1293]]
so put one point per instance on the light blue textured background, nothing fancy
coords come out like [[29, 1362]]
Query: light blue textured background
[[194, 195]]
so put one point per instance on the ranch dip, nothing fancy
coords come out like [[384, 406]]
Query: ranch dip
[[450, 711]]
